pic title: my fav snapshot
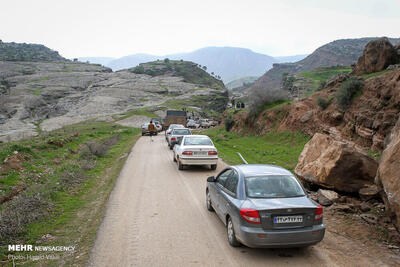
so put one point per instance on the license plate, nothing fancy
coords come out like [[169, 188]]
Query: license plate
[[288, 219], [200, 153]]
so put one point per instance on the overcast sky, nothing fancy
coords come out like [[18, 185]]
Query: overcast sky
[[115, 28]]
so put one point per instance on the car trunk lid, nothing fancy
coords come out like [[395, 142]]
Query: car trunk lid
[[285, 213]]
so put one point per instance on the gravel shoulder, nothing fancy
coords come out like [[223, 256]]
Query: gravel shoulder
[[156, 216]]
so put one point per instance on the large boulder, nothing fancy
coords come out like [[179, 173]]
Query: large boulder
[[377, 56], [336, 165], [388, 174]]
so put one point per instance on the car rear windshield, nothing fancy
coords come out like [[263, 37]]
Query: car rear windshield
[[273, 186], [181, 132], [201, 141]]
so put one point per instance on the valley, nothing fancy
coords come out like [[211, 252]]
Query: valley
[[73, 166]]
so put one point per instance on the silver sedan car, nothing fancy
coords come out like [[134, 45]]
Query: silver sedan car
[[264, 206]]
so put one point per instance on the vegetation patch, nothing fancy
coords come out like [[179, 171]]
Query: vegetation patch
[[323, 103], [347, 91], [321, 75], [279, 148], [59, 186], [189, 71], [269, 103], [229, 123]]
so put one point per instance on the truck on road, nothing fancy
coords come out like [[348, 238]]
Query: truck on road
[[175, 117]]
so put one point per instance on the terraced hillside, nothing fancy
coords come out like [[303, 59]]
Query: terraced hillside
[[43, 96]]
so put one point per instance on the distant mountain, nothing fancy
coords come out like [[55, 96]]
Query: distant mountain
[[131, 61], [228, 62], [287, 59], [96, 60], [28, 52], [342, 52]]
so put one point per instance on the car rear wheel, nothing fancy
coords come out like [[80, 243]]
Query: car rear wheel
[[180, 165], [231, 234], [213, 166], [208, 201]]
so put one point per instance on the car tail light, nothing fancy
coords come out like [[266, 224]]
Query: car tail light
[[173, 139], [250, 215], [212, 153], [319, 212], [188, 153]]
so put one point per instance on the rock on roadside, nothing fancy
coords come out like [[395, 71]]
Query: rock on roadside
[[336, 165], [389, 174], [327, 197]]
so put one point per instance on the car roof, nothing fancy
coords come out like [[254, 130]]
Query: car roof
[[179, 129], [261, 169], [197, 135]]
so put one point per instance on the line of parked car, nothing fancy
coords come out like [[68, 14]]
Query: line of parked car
[[201, 123], [262, 206], [190, 149]]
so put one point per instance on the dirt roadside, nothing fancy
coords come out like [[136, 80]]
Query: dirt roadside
[[156, 216]]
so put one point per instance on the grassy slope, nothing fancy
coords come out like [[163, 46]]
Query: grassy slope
[[71, 183], [324, 74], [281, 148]]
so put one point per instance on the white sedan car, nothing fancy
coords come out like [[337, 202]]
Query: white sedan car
[[195, 150]]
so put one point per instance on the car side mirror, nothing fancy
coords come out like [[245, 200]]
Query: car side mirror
[[211, 179]]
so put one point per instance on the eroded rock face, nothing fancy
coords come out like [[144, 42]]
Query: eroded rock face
[[389, 174], [377, 56], [336, 165]]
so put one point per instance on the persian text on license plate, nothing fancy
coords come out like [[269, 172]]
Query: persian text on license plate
[[200, 153], [288, 219]]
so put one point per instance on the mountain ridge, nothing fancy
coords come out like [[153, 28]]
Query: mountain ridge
[[342, 52]]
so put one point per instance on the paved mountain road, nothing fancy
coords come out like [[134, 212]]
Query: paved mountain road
[[156, 216]]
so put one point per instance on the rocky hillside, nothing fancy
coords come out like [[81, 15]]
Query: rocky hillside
[[42, 96], [27, 52], [354, 125], [340, 52]]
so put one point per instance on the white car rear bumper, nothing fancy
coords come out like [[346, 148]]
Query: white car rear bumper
[[198, 161]]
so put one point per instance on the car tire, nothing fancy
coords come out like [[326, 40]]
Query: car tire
[[180, 166], [208, 201], [213, 167], [230, 232], [142, 134]]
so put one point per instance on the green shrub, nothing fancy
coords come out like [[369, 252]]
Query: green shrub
[[347, 91], [229, 123], [138, 70], [323, 103]]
